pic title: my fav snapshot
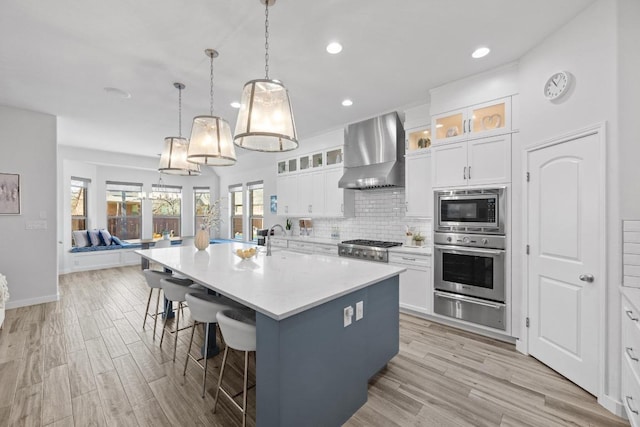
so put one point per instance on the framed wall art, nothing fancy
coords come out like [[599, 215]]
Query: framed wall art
[[9, 194]]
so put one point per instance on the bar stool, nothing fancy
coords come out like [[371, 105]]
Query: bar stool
[[204, 309], [175, 290], [238, 330], [153, 278]]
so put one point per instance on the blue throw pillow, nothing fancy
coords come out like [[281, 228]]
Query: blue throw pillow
[[94, 237], [106, 237], [116, 241]]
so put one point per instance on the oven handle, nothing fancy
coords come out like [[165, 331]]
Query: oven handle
[[496, 305], [461, 250]]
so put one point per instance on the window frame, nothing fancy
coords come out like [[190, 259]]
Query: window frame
[[251, 187], [236, 189], [83, 184], [126, 189], [160, 193], [197, 191]]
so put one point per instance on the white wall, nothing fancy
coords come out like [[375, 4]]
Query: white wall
[[586, 47], [100, 167], [628, 106], [28, 257]]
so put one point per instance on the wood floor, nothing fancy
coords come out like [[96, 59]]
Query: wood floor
[[85, 360]]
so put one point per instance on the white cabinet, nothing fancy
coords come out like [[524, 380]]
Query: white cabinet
[[278, 242], [325, 249], [416, 288], [302, 247], [338, 202], [477, 121], [475, 162], [308, 247], [418, 189], [287, 188], [307, 186], [631, 355]]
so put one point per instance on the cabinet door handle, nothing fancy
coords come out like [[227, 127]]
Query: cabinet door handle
[[630, 315], [469, 125], [629, 351], [408, 259], [469, 174], [628, 398], [464, 173]]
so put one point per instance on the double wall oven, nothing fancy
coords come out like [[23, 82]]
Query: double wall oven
[[470, 255]]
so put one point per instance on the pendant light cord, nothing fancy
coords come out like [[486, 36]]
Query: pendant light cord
[[211, 88], [266, 39], [180, 111]]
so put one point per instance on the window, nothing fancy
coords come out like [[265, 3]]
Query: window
[[256, 208], [79, 188], [202, 201], [124, 209], [166, 209], [235, 196]]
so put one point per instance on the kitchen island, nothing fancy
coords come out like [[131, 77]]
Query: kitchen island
[[310, 368]]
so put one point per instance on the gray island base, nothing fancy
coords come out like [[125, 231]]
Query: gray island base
[[312, 371]]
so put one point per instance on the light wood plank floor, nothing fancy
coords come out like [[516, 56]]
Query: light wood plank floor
[[85, 360]]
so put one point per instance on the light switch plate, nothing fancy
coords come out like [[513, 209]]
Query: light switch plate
[[348, 315], [359, 310]]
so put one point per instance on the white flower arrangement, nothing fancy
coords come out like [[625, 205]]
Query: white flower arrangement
[[212, 217], [4, 290]]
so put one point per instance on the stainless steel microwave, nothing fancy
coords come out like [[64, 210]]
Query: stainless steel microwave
[[470, 210]]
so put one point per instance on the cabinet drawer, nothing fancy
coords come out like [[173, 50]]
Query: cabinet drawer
[[631, 336], [280, 243], [301, 246], [326, 249], [630, 393], [408, 259]]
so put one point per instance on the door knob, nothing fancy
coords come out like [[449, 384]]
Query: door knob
[[586, 278]]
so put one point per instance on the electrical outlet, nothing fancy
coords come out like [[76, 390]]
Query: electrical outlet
[[348, 315], [359, 310]]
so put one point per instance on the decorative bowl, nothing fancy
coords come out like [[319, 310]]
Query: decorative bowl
[[246, 253]]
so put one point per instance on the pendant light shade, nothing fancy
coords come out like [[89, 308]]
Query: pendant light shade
[[211, 141], [265, 120], [173, 159]]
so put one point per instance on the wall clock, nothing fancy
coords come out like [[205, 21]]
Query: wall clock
[[557, 85]]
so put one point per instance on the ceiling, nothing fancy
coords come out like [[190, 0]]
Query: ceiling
[[58, 57]]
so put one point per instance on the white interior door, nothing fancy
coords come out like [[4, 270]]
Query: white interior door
[[564, 279]]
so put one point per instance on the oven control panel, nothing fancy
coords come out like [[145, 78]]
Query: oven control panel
[[471, 240]]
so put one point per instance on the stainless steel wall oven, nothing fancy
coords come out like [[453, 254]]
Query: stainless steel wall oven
[[470, 266]]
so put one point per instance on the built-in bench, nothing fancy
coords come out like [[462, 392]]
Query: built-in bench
[[99, 257]]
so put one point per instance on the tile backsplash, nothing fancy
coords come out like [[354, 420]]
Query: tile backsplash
[[379, 215]]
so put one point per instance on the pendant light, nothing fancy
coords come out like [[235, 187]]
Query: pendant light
[[173, 160], [265, 120], [211, 142]]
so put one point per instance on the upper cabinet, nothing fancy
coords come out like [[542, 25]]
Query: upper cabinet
[[307, 186], [475, 162], [418, 139], [418, 189], [477, 121]]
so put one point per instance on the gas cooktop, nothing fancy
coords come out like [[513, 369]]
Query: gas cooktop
[[372, 250], [374, 243]]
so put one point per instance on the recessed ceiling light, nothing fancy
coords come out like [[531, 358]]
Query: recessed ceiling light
[[117, 92], [480, 52], [334, 47], [347, 103], [235, 104]]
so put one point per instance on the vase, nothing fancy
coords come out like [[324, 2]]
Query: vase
[[202, 240]]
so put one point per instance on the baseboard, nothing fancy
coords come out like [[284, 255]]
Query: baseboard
[[612, 405], [32, 301]]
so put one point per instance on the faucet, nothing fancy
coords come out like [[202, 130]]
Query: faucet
[[269, 237]]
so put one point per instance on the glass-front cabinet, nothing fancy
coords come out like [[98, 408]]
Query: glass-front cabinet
[[418, 139], [477, 121], [317, 160], [334, 156], [282, 167], [304, 162]]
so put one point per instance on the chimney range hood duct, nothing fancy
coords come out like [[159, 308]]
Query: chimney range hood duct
[[374, 153]]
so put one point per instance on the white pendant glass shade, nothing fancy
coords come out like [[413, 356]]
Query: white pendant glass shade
[[173, 159], [211, 143], [265, 120]]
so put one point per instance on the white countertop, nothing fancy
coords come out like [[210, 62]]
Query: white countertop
[[278, 286], [415, 250]]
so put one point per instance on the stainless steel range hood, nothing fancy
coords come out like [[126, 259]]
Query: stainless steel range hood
[[374, 153]]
